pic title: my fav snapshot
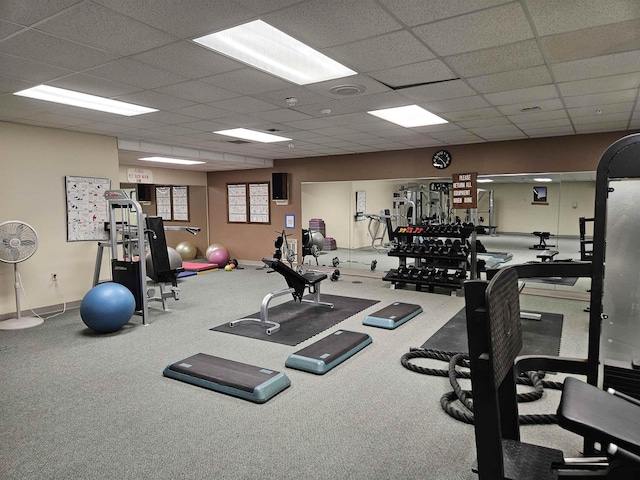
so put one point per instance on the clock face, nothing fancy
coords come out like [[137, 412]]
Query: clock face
[[441, 159]]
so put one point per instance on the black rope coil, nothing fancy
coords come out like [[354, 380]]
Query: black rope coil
[[458, 403]]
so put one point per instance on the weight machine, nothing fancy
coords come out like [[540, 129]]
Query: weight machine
[[131, 232]]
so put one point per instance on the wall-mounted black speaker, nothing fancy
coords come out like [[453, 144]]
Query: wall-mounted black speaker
[[143, 192], [279, 186]]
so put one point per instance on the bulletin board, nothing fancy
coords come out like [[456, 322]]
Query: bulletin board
[[86, 208]]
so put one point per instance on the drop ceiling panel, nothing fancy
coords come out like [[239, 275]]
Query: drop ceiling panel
[[28, 70], [416, 12], [326, 23], [601, 98], [512, 80], [456, 104], [532, 106], [96, 26], [603, 66], [185, 57], [9, 85], [550, 132], [197, 92], [484, 29], [28, 13], [556, 16], [380, 53], [604, 109], [438, 91], [161, 101], [601, 127], [544, 124], [7, 29], [494, 60], [536, 116], [94, 85], [244, 105], [415, 73], [248, 81], [135, 73], [603, 118], [599, 85], [530, 94]]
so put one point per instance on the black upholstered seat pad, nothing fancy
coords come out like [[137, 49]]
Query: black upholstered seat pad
[[587, 410]]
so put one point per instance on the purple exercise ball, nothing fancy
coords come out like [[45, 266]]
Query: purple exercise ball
[[219, 256]]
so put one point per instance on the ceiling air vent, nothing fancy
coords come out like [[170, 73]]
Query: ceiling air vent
[[238, 142], [530, 109], [347, 89]]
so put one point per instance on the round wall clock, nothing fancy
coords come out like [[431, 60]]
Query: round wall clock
[[441, 159]]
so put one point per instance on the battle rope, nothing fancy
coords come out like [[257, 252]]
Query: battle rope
[[457, 359]]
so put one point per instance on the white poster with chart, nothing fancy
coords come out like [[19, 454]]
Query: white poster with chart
[[180, 199], [86, 208], [163, 202], [237, 203], [259, 202]]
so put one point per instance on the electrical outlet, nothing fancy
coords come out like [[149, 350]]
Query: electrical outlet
[[54, 277]]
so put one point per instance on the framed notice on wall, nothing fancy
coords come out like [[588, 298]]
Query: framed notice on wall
[[86, 208], [248, 203], [163, 202]]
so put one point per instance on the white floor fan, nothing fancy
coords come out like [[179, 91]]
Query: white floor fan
[[18, 242]]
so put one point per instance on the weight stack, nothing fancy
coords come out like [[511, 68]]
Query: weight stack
[[317, 225], [329, 244]]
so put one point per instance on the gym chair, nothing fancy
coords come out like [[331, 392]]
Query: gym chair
[[298, 285], [495, 338], [162, 271]]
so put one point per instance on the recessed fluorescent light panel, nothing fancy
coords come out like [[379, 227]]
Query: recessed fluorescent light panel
[[484, 180], [177, 161], [252, 135], [264, 47], [409, 116], [83, 100], [543, 179]]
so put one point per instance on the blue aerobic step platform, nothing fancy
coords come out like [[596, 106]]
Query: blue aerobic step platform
[[226, 376], [392, 316], [328, 352]]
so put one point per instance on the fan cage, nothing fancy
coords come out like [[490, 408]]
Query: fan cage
[[18, 241]]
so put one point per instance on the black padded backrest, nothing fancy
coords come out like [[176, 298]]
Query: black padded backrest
[[503, 304], [158, 246]]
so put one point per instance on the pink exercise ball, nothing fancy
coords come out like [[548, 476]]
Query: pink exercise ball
[[219, 256]]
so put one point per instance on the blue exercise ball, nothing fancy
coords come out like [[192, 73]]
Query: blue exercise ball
[[107, 307]]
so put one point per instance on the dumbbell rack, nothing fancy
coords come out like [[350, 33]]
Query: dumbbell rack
[[443, 255]]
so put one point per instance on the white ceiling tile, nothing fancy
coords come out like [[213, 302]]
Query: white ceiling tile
[[243, 105], [198, 18], [545, 105], [484, 122], [601, 98], [603, 118], [151, 98], [278, 97], [380, 53], [7, 29], [282, 115], [484, 29], [438, 91], [536, 116], [197, 92], [554, 16], [94, 85], [168, 118], [28, 13], [337, 109], [600, 85], [413, 74], [601, 127], [603, 66], [550, 132], [22, 69], [248, 81], [135, 73], [326, 23], [544, 124], [370, 85], [416, 12], [511, 80], [96, 26], [626, 107], [475, 114], [187, 57], [592, 42], [375, 102], [496, 130], [522, 95], [41, 47], [201, 111], [456, 104], [499, 59], [12, 85]]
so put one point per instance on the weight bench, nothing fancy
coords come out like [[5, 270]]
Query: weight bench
[[542, 245], [495, 340], [162, 271], [547, 255], [298, 285]]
